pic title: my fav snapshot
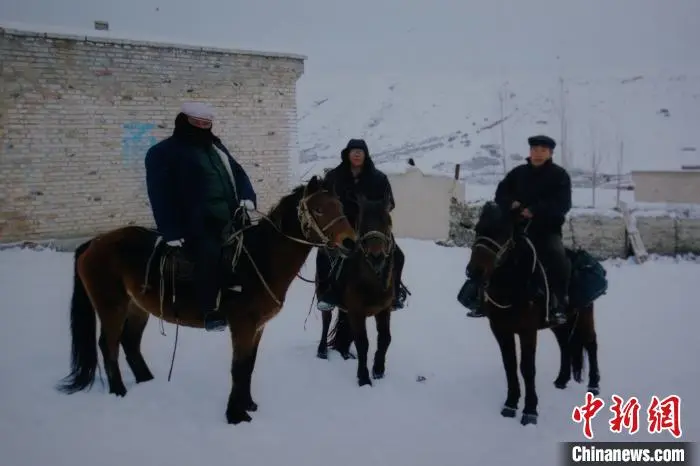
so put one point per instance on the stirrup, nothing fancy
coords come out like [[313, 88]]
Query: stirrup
[[214, 323], [324, 306]]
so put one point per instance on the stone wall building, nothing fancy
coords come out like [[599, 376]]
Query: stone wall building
[[77, 115]]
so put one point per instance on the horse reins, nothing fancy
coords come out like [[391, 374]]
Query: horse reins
[[536, 263]]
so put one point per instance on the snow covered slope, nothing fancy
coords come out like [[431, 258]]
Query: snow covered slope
[[422, 79], [441, 120], [311, 411]]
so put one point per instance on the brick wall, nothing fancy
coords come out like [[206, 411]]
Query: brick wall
[[77, 115]]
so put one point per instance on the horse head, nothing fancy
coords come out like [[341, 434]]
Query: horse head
[[501, 258], [374, 228], [322, 220]]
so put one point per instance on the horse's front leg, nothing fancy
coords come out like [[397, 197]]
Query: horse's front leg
[[245, 340], [562, 333], [322, 350], [506, 343], [383, 320], [359, 330], [528, 350]]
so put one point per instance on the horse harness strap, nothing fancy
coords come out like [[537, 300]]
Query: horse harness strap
[[536, 264]]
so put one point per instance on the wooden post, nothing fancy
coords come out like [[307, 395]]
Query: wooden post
[[635, 239], [457, 172]]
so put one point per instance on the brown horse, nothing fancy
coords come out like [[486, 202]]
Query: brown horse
[[505, 263], [367, 290], [110, 271]]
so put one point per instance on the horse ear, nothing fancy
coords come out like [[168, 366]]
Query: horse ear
[[313, 184]]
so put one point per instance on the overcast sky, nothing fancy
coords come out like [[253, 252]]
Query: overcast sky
[[400, 36]]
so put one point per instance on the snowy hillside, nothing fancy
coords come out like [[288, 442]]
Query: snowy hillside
[[441, 120], [311, 411], [426, 80]]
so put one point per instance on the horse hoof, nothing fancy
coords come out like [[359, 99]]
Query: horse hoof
[[120, 391], [577, 377], [594, 390], [322, 354], [377, 374], [560, 385], [529, 419], [236, 417], [364, 381], [347, 355], [252, 406], [507, 411]]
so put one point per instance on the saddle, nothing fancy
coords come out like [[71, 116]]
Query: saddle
[[587, 281], [177, 264]]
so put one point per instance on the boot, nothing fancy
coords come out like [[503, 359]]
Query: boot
[[327, 301], [214, 321], [400, 297], [557, 314]]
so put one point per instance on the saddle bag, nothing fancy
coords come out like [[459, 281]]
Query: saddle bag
[[588, 279]]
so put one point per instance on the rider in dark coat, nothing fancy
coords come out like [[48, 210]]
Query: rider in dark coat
[[356, 175], [541, 191], [196, 190]]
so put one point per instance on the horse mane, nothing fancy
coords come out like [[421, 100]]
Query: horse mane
[[257, 238]]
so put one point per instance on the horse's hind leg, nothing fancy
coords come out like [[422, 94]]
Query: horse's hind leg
[[383, 320], [322, 351], [110, 301], [562, 333], [132, 333]]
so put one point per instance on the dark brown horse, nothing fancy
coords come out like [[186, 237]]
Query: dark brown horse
[[367, 278], [505, 263], [110, 271]]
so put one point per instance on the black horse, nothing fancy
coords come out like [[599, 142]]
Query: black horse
[[366, 286], [508, 284]]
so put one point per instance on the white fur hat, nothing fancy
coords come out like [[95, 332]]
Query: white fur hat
[[198, 110]]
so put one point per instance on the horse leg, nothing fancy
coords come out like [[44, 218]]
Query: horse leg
[[110, 301], [383, 320], [322, 351], [249, 404], [506, 343], [590, 343], [243, 339], [112, 324], [528, 350], [562, 333], [342, 336], [131, 343], [359, 330]]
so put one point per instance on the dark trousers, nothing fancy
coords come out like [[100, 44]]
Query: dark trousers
[[205, 251], [551, 252]]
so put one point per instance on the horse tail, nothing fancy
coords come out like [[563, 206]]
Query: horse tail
[[83, 323]]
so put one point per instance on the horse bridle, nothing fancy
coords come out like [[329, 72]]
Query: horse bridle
[[494, 247], [309, 223]]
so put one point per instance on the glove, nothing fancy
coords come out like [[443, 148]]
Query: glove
[[247, 204], [176, 243]]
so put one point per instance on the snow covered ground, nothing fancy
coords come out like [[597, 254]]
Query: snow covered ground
[[311, 411]]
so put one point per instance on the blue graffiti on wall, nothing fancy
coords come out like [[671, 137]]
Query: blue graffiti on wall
[[136, 140]]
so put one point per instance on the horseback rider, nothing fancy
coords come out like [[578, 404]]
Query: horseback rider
[[540, 192], [356, 175], [197, 191]]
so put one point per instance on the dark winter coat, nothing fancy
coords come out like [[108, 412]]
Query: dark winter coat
[[190, 190], [371, 183], [545, 191]]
